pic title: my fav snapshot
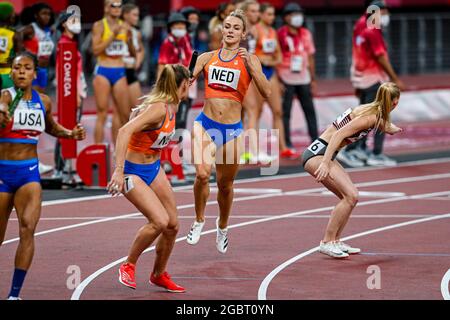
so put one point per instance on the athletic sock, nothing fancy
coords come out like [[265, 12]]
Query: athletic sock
[[17, 282]]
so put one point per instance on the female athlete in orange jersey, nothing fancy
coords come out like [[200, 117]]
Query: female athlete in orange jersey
[[215, 136], [139, 178]]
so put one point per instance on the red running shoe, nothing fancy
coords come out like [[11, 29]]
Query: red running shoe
[[165, 282], [289, 153], [126, 275]]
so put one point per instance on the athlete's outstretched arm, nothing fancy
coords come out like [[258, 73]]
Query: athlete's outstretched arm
[[202, 60], [255, 69], [55, 129], [356, 125]]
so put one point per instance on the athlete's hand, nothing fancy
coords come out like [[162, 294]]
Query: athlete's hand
[[115, 186], [78, 133], [243, 53], [393, 129], [116, 29], [322, 172], [4, 115]]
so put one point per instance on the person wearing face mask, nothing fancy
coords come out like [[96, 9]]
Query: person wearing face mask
[[177, 49], [69, 24], [297, 70], [370, 68]]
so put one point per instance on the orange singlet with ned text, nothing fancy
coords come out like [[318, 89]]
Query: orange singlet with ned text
[[267, 41], [154, 140], [226, 79]]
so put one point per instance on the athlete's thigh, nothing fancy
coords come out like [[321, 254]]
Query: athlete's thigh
[[202, 147], [28, 201], [144, 199], [6, 205], [102, 90], [163, 189]]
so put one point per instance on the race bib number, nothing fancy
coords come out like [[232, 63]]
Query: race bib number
[[297, 64], [163, 140], [223, 78], [116, 48], [4, 44], [28, 119], [316, 147], [269, 45], [45, 48]]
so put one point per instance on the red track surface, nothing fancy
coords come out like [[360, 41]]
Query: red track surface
[[413, 258]]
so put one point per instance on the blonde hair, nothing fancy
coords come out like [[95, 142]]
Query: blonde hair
[[238, 14], [247, 3], [382, 105], [166, 87]]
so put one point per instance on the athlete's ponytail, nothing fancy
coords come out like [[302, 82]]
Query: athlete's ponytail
[[167, 85], [382, 105]]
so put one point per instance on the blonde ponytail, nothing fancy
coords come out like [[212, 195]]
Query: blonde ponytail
[[166, 87], [381, 106]]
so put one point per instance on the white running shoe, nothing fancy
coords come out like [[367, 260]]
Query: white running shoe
[[360, 154], [13, 298], [221, 238], [264, 158], [349, 159], [330, 248], [381, 160], [43, 168], [194, 234], [347, 248]]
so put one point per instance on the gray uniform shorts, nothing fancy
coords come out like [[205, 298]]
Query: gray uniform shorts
[[317, 148]]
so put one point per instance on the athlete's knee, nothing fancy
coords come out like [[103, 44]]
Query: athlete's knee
[[225, 187], [352, 197], [277, 113], [27, 228], [160, 224], [202, 176], [102, 115], [172, 227]]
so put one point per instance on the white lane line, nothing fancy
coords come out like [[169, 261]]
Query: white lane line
[[255, 216], [247, 198], [262, 291], [259, 179], [79, 290], [444, 285]]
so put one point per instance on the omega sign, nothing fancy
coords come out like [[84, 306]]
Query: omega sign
[[67, 57]]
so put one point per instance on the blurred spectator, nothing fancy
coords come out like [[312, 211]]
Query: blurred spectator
[[192, 15], [69, 24], [177, 49], [370, 68], [269, 53], [37, 36], [111, 37], [251, 10], [297, 71], [215, 24], [10, 43], [130, 14]]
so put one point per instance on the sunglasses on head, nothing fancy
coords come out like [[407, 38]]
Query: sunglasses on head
[[116, 5]]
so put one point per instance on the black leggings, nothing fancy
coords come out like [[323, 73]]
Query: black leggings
[[304, 94]]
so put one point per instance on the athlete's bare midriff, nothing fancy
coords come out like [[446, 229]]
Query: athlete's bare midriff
[[141, 158], [17, 151], [223, 110], [109, 62]]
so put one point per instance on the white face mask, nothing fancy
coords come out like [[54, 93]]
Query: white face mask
[[75, 28], [178, 33], [297, 20], [385, 19]]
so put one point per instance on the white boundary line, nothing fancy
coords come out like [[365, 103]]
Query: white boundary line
[[79, 290], [187, 206], [444, 286], [262, 291], [250, 180]]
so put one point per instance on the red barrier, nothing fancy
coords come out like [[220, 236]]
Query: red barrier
[[171, 161], [93, 165], [67, 94]]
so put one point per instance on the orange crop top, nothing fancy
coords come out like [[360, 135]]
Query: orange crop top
[[227, 79], [154, 140], [267, 43]]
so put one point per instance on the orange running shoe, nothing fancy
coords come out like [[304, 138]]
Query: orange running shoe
[[126, 275], [164, 281], [289, 153]]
